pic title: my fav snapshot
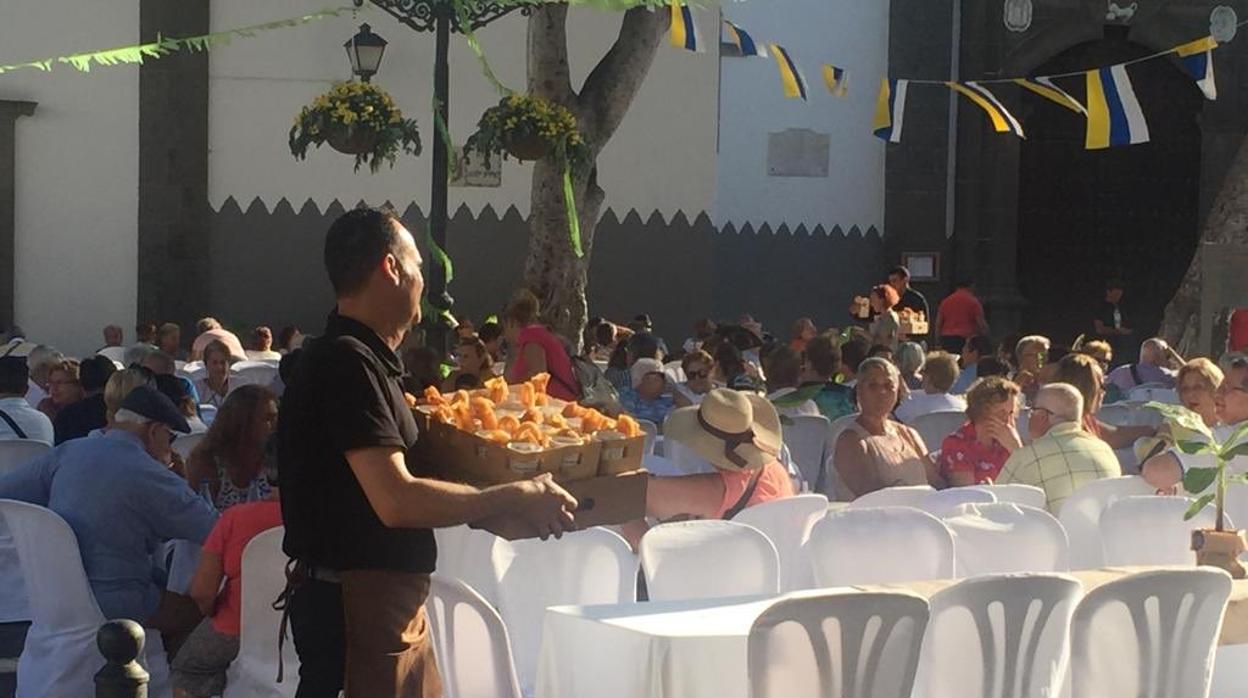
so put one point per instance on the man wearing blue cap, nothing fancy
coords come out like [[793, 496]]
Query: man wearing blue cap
[[121, 499]]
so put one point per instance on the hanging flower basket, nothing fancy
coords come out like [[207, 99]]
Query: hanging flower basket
[[527, 128], [356, 118]]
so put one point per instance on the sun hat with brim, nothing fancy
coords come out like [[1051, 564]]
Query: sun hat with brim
[[732, 430]]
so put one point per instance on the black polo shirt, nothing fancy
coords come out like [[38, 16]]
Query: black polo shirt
[[346, 394], [915, 301]]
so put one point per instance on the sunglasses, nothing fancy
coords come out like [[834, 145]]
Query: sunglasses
[[696, 375]]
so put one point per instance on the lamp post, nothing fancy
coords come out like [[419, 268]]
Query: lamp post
[[439, 17], [365, 50]]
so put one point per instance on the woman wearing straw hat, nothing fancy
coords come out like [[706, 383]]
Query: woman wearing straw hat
[[739, 434]]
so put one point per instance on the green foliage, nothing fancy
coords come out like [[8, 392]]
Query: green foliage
[[1197, 480], [1197, 505], [798, 396], [520, 117], [356, 106]]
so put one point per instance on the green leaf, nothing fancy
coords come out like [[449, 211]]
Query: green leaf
[[1196, 506], [1198, 479], [1234, 451], [1193, 448], [1180, 416]]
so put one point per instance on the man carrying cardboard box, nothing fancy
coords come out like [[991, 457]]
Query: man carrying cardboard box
[[359, 516]]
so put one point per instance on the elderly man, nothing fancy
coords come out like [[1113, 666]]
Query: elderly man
[[121, 499], [112, 336], [940, 372], [1061, 457], [1166, 470], [1154, 354], [18, 420]]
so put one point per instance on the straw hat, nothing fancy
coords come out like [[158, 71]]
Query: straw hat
[[732, 430]]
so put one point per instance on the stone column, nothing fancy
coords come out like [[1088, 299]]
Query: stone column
[[10, 111]]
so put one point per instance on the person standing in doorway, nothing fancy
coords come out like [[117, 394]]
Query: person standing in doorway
[[359, 512], [1108, 323]]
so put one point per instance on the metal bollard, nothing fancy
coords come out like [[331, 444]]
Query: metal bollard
[[120, 641]]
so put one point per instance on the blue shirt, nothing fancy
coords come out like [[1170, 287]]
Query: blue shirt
[[654, 410], [121, 504], [965, 378]]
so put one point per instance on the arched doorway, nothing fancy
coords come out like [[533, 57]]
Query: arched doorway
[[1087, 215]]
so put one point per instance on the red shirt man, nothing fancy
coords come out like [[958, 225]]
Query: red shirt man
[[959, 317]]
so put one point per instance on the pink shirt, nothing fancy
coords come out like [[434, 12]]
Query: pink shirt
[[774, 483], [233, 531], [558, 365]]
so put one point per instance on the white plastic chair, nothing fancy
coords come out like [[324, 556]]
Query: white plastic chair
[[1000, 538], [943, 503], [685, 460], [595, 566], [708, 559], [999, 636], [60, 657], [185, 444], [652, 435], [1147, 394], [899, 496], [470, 643], [879, 546], [1015, 493], [787, 523], [254, 672], [848, 645], [935, 426], [15, 452], [254, 372], [675, 372], [1150, 635], [467, 555], [1117, 414], [115, 354], [1080, 515], [1150, 530], [807, 439], [208, 414]]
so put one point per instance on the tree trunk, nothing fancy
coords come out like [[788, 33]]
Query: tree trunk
[[1227, 223], [552, 271]]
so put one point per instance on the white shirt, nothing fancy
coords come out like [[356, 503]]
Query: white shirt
[[263, 356], [807, 408], [1221, 432], [919, 404], [34, 423], [208, 396], [35, 394]]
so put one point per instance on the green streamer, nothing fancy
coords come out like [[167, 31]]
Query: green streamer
[[439, 255], [163, 46], [465, 28], [569, 203]]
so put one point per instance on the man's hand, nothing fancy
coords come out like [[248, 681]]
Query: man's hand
[[540, 506]]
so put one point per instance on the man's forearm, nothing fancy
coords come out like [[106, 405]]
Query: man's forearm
[[428, 503]]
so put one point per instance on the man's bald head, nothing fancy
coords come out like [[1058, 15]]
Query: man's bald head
[[1061, 400], [1153, 351]]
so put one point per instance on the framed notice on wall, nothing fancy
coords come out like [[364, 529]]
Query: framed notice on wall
[[923, 266]]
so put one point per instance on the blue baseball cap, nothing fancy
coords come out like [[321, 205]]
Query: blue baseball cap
[[149, 402]]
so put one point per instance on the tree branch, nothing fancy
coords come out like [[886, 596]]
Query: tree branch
[[614, 82], [549, 75]]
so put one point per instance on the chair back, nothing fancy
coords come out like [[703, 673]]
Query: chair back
[[899, 496], [1117, 414], [807, 439], [999, 636], [254, 671], [652, 435], [1150, 530], [470, 643], [254, 372], [708, 559], [879, 546], [59, 657], [1000, 538], [675, 372], [466, 554], [935, 426], [1015, 493], [1146, 393], [1080, 515], [115, 354], [186, 444], [17, 452], [846, 645], [943, 503], [208, 413], [787, 523], [1150, 635], [590, 567], [685, 460]]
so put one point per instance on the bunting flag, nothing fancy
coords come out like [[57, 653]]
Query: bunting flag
[[890, 109], [684, 33], [790, 77], [1002, 120], [1050, 91], [743, 41], [836, 79], [1197, 59], [1114, 114]]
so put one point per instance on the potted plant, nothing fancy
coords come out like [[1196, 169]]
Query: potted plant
[[527, 127], [1217, 547], [356, 118]]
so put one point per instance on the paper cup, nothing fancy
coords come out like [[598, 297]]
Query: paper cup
[[611, 450], [524, 458]]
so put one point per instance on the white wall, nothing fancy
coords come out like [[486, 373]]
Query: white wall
[[661, 158], [852, 34], [77, 171]]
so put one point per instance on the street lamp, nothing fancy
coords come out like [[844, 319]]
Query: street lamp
[[365, 50]]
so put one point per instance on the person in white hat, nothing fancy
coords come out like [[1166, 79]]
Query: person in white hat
[[739, 434], [648, 398]]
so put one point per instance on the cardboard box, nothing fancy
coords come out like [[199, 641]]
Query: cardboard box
[[914, 327]]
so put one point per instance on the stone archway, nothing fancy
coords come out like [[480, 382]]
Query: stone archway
[[1085, 215]]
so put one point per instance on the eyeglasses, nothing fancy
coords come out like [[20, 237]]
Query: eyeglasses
[[1037, 410], [697, 375]]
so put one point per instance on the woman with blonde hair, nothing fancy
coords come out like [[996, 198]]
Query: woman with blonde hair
[[119, 386], [1197, 383], [1084, 373]]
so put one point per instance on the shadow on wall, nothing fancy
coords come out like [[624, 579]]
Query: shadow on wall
[[267, 267]]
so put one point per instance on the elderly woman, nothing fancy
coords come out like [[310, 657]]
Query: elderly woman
[[227, 468], [1084, 372], [910, 359], [1100, 350], [215, 386], [698, 367], [64, 389], [1197, 383], [887, 326], [475, 366], [1031, 352], [874, 451], [976, 452]]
